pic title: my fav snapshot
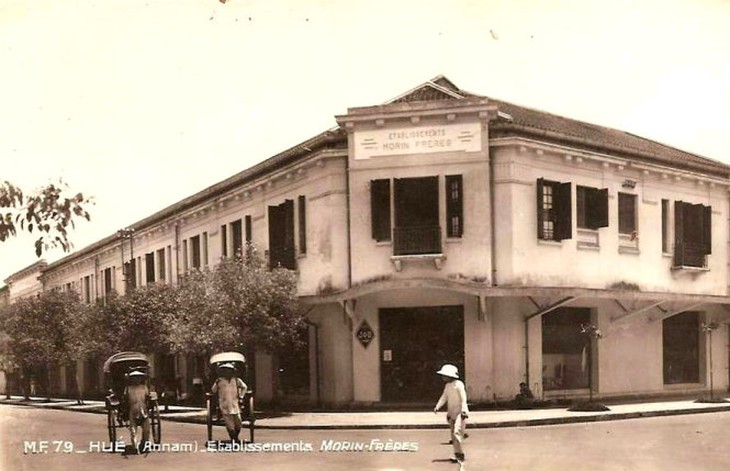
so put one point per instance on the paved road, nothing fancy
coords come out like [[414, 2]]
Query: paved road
[[696, 442]]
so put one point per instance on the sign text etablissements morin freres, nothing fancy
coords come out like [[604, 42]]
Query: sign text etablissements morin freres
[[464, 137]]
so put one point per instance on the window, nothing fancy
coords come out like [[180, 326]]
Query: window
[[130, 274], [565, 350], [302, 213], [626, 213], [249, 229], [224, 241], [591, 206], [108, 281], [149, 266], [204, 248], [161, 269], [692, 234], [380, 209], [185, 256], [237, 238], [416, 203], [281, 235], [554, 220], [665, 226], [87, 289], [681, 348], [195, 252], [454, 206]]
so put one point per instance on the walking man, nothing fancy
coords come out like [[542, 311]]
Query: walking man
[[231, 390], [457, 411]]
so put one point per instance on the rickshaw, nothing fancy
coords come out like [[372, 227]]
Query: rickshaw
[[116, 370], [248, 417]]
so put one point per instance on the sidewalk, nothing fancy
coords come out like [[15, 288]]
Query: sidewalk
[[409, 419]]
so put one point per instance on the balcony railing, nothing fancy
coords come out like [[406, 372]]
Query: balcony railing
[[417, 240], [688, 254]]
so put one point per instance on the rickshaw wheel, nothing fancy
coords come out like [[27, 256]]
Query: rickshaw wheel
[[251, 417], [156, 424], [111, 421], [209, 419]]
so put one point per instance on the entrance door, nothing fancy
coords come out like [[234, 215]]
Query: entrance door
[[414, 343]]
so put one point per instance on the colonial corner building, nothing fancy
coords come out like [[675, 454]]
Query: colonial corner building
[[444, 226]]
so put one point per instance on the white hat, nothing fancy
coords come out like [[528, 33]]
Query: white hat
[[449, 370], [137, 373], [227, 365]]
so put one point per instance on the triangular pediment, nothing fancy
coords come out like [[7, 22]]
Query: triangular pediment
[[439, 88]]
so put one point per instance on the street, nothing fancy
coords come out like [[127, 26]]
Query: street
[[68, 441]]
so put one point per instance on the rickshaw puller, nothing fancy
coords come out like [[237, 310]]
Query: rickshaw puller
[[231, 389], [136, 394]]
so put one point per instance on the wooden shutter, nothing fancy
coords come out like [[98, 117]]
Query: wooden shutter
[[380, 209], [562, 211], [707, 228], [599, 202], [454, 206], [540, 215], [678, 233], [302, 210]]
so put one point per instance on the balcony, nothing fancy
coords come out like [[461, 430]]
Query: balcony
[[688, 254], [417, 243], [417, 240]]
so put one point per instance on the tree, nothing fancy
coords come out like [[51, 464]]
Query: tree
[[239, 305], [41, 333], [138, 321], [49, 211]]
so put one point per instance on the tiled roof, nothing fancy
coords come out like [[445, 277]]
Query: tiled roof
[[596, 136]]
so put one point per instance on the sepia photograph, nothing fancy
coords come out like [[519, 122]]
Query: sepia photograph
[[372, 235]]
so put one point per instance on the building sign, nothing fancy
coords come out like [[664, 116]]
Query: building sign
[[365, 334], [418, 140]]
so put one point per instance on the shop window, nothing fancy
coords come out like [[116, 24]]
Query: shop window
[[554, 219], [627, 214], [681, 348], [380, 209], [565, 350], [591, 206], [294, 367], [692, 234], [454, 206]]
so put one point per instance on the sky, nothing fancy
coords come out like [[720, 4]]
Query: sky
[[140, 103]]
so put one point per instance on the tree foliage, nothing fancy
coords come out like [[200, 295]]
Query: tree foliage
[[43, 332], [239, 305], [139, 321], [49, 211]]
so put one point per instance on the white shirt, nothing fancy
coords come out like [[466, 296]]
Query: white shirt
[[229, 391], [454, 396]]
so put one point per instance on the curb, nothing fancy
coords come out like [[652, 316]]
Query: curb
[[605, 417]]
